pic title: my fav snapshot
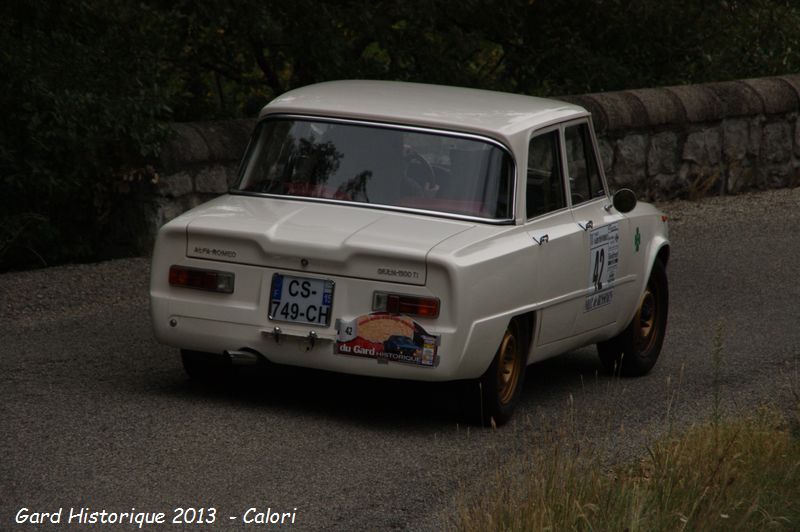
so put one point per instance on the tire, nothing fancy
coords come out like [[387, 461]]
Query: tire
[[634, 351], [204, 367], [490, 400]]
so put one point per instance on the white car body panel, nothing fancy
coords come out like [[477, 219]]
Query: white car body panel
[[277, 232], [483, 273]]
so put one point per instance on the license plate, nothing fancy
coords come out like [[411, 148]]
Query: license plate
[[301, 299]]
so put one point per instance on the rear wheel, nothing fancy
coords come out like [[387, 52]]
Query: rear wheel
[[635, 350], [204, 367], [491, 399]]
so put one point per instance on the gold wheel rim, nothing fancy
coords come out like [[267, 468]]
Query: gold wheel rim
[[509, 366], [646, 321]]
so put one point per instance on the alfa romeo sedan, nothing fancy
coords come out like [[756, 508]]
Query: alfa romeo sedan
[[416, 232]]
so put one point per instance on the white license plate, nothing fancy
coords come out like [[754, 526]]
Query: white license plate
[[301, 299]]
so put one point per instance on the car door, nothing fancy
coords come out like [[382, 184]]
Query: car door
[[605, 233], [556, 241]]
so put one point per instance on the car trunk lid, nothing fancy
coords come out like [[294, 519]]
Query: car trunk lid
[[317, 238]]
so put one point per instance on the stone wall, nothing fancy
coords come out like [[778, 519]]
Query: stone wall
[[197, 164], [686, 141], [696, 140]]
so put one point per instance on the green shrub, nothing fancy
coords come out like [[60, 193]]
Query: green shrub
[[83, 99]]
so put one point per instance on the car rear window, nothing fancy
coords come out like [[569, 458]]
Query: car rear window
[[384, 166]]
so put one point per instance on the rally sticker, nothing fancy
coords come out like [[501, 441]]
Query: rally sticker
[[603, 261], [387, 337]]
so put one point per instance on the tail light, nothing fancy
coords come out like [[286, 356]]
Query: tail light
[[200, 279], [427, 307]]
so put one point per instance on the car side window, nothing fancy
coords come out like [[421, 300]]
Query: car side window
[[544, 186], [584, 176]]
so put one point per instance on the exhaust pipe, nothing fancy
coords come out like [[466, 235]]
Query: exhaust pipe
[[242, 358]]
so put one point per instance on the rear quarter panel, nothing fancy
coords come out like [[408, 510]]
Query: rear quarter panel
[[483, 273]]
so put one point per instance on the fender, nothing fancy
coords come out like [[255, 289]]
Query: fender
[[658, 248]]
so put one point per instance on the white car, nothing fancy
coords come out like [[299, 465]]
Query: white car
[[416, 232]]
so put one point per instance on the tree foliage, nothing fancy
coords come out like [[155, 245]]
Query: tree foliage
[[88, 86], [250, 51], [83, 103]]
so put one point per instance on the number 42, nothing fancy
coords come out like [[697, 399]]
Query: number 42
[[599, 265]]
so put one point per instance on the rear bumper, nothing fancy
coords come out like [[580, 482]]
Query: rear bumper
[[293, 347], [215, 323]]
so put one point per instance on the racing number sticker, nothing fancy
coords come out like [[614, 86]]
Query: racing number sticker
[[603, 261]]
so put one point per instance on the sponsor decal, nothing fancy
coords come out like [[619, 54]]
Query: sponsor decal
[[603, 262], [387, 337], [598, 300]]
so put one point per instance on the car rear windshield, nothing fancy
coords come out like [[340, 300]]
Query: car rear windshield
[[385, 166]]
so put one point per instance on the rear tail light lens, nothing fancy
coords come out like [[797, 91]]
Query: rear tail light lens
[[200, 279], [427, 307]]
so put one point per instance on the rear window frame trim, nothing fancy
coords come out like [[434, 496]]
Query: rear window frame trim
[[386, 125]]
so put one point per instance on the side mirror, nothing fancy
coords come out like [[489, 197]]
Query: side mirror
[[624, 200]]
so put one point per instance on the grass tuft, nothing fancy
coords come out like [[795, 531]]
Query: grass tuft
[[727, 474]]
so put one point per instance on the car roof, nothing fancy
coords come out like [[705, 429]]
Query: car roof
[[498, 115]]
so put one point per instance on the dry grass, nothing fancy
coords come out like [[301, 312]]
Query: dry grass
[[734, 474], [727, 474]]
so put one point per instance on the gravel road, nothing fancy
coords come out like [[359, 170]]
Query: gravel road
[[94, 413]]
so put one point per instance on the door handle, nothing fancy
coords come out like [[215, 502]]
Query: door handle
[[586, 225], [544, 239]]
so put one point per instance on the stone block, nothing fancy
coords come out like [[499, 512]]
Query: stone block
[[713, 146], [185, 146], [232, 175], [776, 142], [774, 176], [622, 110], [662, 106], [700, 180], [699, 103], [606, 154], [175, 185], [735, 139], [754, 146], [163, 210], [194, 200], [797, 137], [794, 174], [629, 160], [172, 210], [793, 81], [212, 180], [666, 187], [740, 179], [226, 139], [599, 118], [694, 147], [779, 96], [737, 98], [662, 157], [703, 147]]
